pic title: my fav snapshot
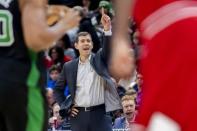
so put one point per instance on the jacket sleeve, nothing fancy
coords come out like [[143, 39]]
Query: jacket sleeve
[[106, 48]]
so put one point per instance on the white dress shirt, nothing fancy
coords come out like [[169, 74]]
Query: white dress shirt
[[90, 86]]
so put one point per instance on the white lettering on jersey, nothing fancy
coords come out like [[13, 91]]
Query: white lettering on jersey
[[161, 122], [5, 3]]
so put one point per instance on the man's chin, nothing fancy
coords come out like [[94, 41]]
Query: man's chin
[[129, 115], [87, 53]]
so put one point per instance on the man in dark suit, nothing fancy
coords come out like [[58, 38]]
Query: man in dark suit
[[93, 93]]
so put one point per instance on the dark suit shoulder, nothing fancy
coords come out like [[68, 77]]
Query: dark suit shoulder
[[72, 62]]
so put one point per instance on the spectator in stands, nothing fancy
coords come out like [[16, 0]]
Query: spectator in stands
[[128, 104], [54, 72], [55, 121], [57, 57], [86, 4], [51, 102], [66, 45], [50, 98]]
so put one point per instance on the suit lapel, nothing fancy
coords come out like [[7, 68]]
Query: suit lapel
[[74, 75], [91, 59]]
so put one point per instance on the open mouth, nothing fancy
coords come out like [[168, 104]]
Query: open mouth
[[86, 48], [129, 113]]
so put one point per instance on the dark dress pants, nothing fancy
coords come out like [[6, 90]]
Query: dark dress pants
[[95, 120]]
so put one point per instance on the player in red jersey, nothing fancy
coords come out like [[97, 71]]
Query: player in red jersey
[[168, 63]]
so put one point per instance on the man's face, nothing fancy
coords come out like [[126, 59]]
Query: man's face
[[54, 75], [84, 45], [128, 108]]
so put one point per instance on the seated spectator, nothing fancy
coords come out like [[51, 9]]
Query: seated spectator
[[128, 104], [55, 121], [50, 99], [56, 57], [66, 45], [54, 73], [51, 102]]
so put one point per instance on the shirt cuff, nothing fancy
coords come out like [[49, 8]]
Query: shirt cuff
[[107, 33]]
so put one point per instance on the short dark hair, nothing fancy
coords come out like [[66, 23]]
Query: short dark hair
[[81, 34], [59, 51], [54, 68]]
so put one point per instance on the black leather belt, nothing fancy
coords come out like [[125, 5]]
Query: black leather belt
[[91, 108]]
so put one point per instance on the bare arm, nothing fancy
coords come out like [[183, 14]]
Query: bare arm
[[123, 10], [37, 33], [121, 54]]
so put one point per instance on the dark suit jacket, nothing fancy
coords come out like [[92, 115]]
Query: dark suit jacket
[[99, 63]]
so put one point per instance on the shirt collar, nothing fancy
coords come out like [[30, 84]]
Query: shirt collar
[[81, 63]]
